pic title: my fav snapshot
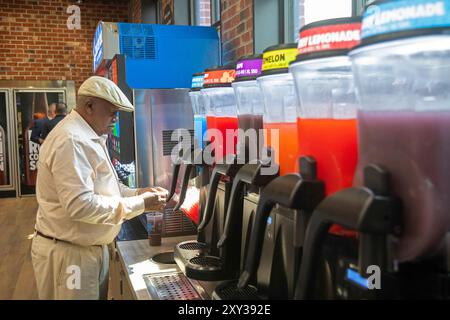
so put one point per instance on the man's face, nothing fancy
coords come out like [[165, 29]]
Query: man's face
[[103, 116]]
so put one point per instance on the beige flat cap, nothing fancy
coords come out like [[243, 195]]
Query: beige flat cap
[[104, 88]]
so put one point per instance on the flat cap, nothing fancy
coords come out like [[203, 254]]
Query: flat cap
[[104, 88]]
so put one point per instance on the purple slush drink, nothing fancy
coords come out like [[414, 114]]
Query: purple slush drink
[[414, 147]]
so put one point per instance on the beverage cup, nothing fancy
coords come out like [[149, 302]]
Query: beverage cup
[[154, 227]]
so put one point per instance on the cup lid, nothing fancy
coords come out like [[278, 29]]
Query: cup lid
[[219, 76], [387, 20], [197, 81], [248, 68], [328, 38], [276, 58]]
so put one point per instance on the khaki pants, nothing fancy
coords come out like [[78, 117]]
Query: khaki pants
[[66, 271]]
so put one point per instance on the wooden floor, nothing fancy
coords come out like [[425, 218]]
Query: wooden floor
[[17, 218]]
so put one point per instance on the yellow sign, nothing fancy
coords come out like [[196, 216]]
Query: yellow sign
[[278, 59]]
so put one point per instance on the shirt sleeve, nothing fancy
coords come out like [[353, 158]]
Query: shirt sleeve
[[126, 191], [74, 179]]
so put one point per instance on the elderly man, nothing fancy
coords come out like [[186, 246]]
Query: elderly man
[[82, 204]]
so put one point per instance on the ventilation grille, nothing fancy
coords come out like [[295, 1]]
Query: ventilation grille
[[168, 144], [137, 41], [207, 261], [170, 286], [230, 291], [193, 246], [136, 29], [176, 223]]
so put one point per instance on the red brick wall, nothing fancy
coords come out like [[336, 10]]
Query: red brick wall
[[135, 11], [167, 11], [35, 43], [236, 29]]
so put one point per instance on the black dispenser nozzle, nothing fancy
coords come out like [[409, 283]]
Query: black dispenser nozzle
[[219, 171], [290, 191], [369, 210], [249, 174]]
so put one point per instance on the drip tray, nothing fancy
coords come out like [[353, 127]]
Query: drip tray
[[170, 286], [229, 291], [164, 258], [207, 262], [207, 268]]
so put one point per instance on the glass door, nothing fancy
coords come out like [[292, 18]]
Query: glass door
[[31, 111], [6, 176]]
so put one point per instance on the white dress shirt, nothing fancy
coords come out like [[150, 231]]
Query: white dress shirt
[[80, 197]]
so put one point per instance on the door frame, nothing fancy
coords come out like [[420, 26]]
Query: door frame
[[14, 91], [9, 136]]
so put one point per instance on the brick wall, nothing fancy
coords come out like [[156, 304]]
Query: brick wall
[[167, 11], [135, 13], [236, 29], [37, 45]]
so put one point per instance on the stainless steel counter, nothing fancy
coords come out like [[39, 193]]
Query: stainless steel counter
[[135, 258]]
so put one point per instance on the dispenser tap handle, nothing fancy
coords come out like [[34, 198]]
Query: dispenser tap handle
[[173, 185], [184, 186]]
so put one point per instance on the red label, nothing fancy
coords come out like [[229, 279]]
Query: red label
[[219, 77], [326, 38], [114, 72]]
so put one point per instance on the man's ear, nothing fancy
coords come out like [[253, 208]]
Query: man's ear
[[89, 105]]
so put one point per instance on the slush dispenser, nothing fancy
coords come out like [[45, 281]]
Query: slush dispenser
[[220, 101], [280, 105], [198, 109], [400, 199], [327, 106], [402, 75], [249, 104], [326, 123]]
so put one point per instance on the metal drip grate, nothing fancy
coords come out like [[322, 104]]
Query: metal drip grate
[[192, 246], [207, 261], [170, 286], [231, 292]]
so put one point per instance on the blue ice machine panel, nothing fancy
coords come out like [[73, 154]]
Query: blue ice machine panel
[[166, 56]]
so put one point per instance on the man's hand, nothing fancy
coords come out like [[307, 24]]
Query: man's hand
[[154, 198], [159, 190]]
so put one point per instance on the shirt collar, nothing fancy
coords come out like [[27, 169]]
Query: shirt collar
[[86, 129]]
